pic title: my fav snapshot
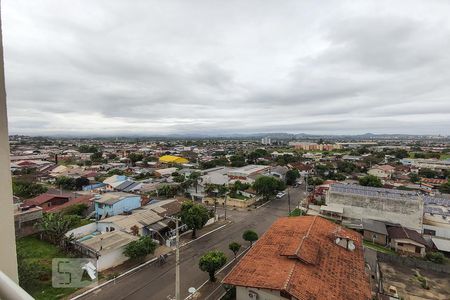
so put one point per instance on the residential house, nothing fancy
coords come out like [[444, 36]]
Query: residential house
[[406, 241], [25, 219], [113, 181], [83, 199], [442, 245], [383, 171], [278, 172], [107, 248], [134, 223], [433, 182], [165, 172], [128, 186], [303, 258], [48, 200], [374, 231], [115, 203]]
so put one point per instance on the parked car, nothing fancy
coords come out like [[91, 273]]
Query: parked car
[[281, 195]]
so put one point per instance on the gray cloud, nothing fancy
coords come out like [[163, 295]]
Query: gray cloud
[[108, 67]]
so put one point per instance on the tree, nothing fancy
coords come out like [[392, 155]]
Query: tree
[[210, 189], [234, 247], [250, 236], [194, 216], [401, 153], [314, 181], [26, 190], [445, 188], [241, 186], [346, 167], [267, 186], [87, 149], [80, 182], [140, 248], [76, 209], [168, 191], [370, 180], [211, 262], [413, 177], [428, 173], [54, 226], [194, 177], [135, 157], [258, 153], [237, 161], [179, 178], [297, 213], [292, 176], [222, 190], [436, 257], [66, 183], [96, 157]]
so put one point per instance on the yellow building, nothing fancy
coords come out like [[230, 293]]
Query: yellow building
[[172, 159]]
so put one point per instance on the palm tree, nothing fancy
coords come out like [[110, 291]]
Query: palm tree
[[54, 226], [210, 189], [194, 178]]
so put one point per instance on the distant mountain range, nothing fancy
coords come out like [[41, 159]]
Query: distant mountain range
[[272, 135]]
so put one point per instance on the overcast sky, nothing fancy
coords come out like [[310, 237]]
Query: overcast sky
[[156, 67]]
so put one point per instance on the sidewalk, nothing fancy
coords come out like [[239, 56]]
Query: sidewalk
[[186, 237], [215, 290], [129, 266]]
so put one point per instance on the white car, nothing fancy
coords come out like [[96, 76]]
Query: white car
[[281, 195]]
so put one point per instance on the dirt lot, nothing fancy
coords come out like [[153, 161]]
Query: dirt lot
[[409, 282]]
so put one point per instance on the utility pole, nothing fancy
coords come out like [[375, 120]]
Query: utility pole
[[177, 264], [177, 258]]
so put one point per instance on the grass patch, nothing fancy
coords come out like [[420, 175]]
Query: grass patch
[[40, 253], [378, 248], [239, 197]]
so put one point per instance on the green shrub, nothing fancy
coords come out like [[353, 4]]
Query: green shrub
[[436, 257]]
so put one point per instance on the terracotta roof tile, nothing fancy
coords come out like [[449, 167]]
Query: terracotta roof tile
[[298, 255]]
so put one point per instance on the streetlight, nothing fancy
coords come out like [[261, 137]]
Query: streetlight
[[192, 291]]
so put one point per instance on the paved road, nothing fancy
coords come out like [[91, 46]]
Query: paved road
[[158, 282]]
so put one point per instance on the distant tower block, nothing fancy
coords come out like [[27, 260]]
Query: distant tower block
[[265, 141]]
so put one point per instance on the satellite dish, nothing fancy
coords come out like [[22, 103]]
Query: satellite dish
[[338, 240], [351, 246], [192, 290]]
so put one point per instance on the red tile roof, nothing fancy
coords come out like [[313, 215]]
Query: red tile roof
[[299, 256], [86, 199], [435, 181], [43, 198]]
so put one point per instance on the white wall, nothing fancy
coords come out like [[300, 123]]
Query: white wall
[[83, 230], [440, 231], [111, 259], [242, 293], [8, 259]]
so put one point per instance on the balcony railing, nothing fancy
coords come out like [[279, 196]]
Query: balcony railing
[[9, 290]]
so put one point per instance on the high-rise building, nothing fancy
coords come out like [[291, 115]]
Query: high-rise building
[[265, 141]]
